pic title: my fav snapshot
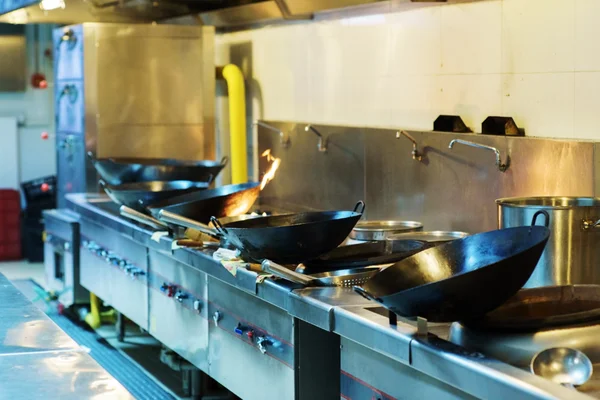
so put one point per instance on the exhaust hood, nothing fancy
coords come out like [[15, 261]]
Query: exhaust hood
[[220, 13]]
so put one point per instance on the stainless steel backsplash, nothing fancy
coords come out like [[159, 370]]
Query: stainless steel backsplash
[[450, 189]]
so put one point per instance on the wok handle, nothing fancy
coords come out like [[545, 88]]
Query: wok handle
[[142, 218], [361, 205], [546, 218], [282, 272], [172, 218]]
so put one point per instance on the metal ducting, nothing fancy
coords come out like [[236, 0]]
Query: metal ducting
[[219, 13]]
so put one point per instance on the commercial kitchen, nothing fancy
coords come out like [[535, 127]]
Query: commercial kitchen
[[302, 199]]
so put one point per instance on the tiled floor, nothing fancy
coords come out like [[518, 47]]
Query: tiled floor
[[23, 270]]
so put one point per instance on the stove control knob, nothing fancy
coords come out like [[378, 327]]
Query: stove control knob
[[216, 317], [262, 342], [135, 272], [181, 296], [164, 287], [250, 334], [198, 305]]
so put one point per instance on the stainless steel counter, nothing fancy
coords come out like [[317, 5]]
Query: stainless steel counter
[[375, 358], [38, 360]]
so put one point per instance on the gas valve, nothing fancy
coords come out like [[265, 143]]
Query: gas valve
[[180, 296], [262, 342]]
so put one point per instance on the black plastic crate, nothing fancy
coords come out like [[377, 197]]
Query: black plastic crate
[[33, 192]]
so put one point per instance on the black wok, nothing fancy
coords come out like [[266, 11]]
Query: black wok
[[285, 239], [225, 201], [463, 279], [117, 171], [136, 195]]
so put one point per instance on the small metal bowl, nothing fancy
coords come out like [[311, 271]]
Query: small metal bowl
[[380, 230]]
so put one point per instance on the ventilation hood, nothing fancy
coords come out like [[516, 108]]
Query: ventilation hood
[[220, 13]]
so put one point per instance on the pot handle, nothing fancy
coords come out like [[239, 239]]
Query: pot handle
[[282, 272], [142, 218], [589, 224], [361, 205], [175, 219], [546, 218]]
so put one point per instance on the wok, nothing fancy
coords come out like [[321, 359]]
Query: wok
[[117, 171], [462, 279], [225, 201], [285, 239], [542, 308], [136, 195]]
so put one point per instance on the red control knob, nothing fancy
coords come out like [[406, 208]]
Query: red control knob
[[45, 135], [250, 334], [45, 187], [43, 84]]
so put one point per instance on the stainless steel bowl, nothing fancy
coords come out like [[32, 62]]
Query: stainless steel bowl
[[429, 236], [380, 230]]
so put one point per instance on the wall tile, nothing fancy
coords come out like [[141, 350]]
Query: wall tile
[[352, 50], [587, 104], [587, 29], [351, 101], [416, 41], [473, 97], [414, 101], [540, 103], [538, 36], [471, 38]]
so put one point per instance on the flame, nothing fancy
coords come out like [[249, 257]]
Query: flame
[[270, 174]]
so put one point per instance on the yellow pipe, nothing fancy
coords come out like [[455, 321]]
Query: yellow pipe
[[237, 122], [93, 317]]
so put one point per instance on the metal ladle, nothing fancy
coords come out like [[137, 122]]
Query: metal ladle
[[563, 365]]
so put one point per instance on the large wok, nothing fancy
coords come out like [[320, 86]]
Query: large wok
[[116, 171], [291, 238], [225, 201], [463, 279], [136, 195]]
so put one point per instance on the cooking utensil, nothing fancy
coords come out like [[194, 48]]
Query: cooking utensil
[[543, 308], [117, 171], [286, 239], [225, 201], [573, 250], [136, 195], [344, 278], [461, 279], [563, 365], [427, 236], [379, 230], [364, 254], [518, 348]]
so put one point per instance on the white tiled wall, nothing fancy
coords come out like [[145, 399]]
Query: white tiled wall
[[535, 60]]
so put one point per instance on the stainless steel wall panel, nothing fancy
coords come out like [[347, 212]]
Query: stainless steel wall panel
[[173, 320], [13, 64], [309, 179], [450, 189]]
